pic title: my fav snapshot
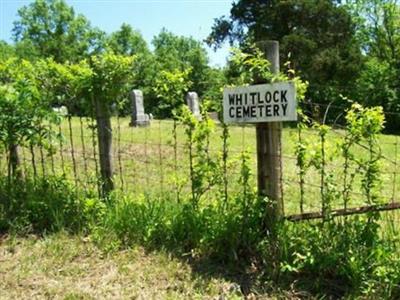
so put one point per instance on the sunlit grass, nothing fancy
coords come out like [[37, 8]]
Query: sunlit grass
[[61, 266]]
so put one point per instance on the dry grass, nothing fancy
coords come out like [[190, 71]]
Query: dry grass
[[61, 266], [65, 267]]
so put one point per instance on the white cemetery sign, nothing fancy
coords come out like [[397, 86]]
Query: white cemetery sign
[[260, 103]]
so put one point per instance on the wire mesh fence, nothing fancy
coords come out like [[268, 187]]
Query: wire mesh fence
[[156, 160]]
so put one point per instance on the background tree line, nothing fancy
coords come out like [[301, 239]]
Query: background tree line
[[52, 29], [346, 50]]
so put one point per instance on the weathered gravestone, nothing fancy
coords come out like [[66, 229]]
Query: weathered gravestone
[[192, 100], [138, 118], [213, 115]]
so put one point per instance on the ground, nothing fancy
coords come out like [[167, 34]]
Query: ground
[[61, 266], [72, 267]]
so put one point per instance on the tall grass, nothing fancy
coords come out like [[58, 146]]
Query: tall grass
[[40, 205], [343, 257], [349, 256]]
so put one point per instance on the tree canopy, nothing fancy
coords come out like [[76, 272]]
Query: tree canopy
[[378, 30], [317, 37], [179, 52], [50, 28], [344, 49], [128, 41]]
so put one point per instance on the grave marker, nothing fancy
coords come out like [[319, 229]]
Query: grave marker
[[138, 118], [192, 100]]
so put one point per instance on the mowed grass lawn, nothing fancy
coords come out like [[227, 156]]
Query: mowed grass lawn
[[144, 160]]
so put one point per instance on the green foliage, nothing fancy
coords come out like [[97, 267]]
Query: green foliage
[[170, 88], [364, 125], [28, 91], [349, 253], [112, 77], [127, 41], [338, 258], [6, 51], [204, 167], [23, 111], [316, 36], [349, 257], [251, 67], [40, 205], [196, 231], [51, 29], [376, 86], [378, 32], [377, 27], [65, 84], [213, 90], [107, 77], [182, 54]]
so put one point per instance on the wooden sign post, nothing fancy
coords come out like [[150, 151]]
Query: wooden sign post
[[269, 148], [266, 105]]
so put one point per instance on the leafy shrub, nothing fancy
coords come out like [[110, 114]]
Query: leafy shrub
[[164, 223], [40, 205], [344, 256]]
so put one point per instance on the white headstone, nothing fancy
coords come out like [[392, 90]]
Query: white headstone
[[61, 110], [192, 100], [138, 118]]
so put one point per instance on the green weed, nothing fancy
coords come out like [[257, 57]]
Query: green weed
[[40, 205]]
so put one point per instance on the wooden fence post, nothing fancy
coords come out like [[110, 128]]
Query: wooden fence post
[[269, 167], [104, 134], [14, 168], [269, 147]]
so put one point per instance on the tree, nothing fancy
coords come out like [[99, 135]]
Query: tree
[[378, 27], [24, 116], [374, 87], [66, 84], [182, 53], [378, 30], [170, 88], [216, 80], [6, 51], [127, 41], [316, 36], [52, 29]]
